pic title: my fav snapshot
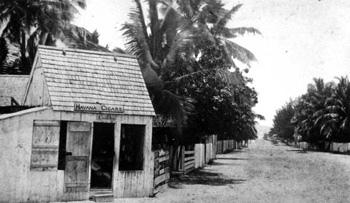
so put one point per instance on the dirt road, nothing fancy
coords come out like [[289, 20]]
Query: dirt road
[[264, 173]]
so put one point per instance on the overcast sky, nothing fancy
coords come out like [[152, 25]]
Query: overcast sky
[[301, 39]]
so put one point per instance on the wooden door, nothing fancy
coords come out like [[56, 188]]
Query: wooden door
[[77, 156]]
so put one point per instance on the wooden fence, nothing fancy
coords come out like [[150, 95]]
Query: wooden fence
[[199, 152], [202, 154], [333, 146], [188, 161], [161, 170], [224, 146]]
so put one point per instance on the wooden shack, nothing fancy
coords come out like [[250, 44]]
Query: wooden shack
[[88, 134]]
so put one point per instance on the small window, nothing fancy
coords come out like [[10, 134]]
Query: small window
[[131, 155]]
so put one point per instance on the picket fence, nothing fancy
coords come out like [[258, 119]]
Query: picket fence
[[333, 146], [202, 154], [224, 146]]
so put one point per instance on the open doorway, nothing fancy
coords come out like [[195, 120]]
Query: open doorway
[[102, 156]]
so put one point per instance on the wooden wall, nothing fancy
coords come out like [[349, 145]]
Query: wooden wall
[[20, 184], [36, 93], [134, 183], [13, 86]]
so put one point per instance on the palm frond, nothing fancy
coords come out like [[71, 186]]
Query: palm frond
[[221, 23], [234, 32], [238, 52], [137, 36]]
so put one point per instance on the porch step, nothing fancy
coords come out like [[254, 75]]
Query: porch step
[[102, 198], [101, 195]]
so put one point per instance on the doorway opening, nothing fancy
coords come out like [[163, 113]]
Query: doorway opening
[[102, 156]]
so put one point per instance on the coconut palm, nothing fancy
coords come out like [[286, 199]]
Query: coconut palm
[[310, 112], [336, 120], [169, 44], [30, 22], [179, 30]]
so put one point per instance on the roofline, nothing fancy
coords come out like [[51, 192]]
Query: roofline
[[14, 76], [87, 51], [27, 111], [30, 78]]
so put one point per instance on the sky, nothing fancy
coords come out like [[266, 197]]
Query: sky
[[301, 40]]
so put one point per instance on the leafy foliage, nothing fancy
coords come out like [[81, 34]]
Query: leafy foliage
[[185, 56], [282, 125]]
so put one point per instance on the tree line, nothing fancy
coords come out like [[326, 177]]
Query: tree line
[[320, 115], [185, 49]]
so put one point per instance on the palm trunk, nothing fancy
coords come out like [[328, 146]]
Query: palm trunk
[[25, 65], [43, 38]]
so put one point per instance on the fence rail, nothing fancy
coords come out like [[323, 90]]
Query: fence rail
[[184, 161], [189, 161], [161, 170]]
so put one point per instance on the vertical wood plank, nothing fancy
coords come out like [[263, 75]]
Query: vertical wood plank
[[77, 163]]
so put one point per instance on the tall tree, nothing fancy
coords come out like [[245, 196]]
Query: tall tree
[[30, 22], [311, 109], [176, 30], [335, 121], [282, 122], [3, 53]]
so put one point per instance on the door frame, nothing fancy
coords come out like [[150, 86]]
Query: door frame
[[114, 161]]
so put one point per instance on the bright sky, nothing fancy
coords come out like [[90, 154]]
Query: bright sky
[[301, 39]]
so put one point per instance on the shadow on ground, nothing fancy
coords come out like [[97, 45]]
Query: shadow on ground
[[297, 150], [214, 163], [235, 159], [208, 178]]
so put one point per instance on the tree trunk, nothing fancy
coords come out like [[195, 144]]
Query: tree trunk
[[43, 38], [25, 65]]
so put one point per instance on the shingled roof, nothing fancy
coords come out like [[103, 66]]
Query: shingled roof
[[74, 76]]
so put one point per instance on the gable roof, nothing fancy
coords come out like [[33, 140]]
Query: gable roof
[[80, 76]]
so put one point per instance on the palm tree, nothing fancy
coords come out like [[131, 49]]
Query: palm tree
[[179, 30], [30, 22], [3, 53], [311, 117], [80, 38], [336, 122]]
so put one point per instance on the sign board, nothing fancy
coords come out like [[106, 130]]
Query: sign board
[[163, 121], [106, 117], [88, 107]]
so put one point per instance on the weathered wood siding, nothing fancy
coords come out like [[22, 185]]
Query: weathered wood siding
[[36, 92], [18, 183], [12, 86], [134, 183], [21, 184]]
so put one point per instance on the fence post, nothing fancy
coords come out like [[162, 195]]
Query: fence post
[[196, 156], [183, 158], [215, 139]]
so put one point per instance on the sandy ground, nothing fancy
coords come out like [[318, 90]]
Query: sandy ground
[[263, 173]]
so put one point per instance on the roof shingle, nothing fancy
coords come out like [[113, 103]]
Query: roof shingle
[[74, 76]]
